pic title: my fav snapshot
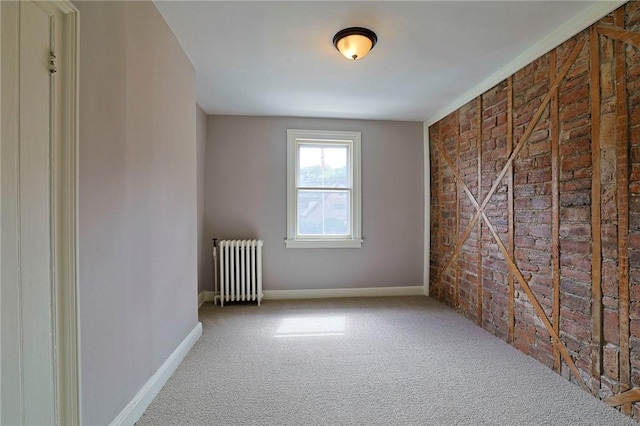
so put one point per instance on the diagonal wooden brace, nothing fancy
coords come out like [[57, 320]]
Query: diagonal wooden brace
[[620, 34], [632, 395], [564, 353], [525, 136], [481, 207]]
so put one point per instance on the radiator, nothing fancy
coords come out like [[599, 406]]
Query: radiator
[[240, 270]]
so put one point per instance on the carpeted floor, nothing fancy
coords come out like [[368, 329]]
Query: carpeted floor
[[366, 361]]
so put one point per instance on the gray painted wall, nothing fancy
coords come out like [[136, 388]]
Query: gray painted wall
[[246, 183], [137, 201], [201, 143]]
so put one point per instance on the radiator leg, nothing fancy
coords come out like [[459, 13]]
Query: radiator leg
[[215, 273]]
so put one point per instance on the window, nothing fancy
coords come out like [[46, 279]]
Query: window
[[323, 189]]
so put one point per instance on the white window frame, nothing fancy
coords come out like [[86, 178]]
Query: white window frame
[[294, 139]]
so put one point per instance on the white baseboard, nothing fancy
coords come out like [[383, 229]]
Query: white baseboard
[[205, 296], [134, 409], [343, 292]]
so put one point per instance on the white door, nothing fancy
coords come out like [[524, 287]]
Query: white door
[[28, 367]]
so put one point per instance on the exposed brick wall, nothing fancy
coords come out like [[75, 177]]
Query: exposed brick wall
[[532, 208], [575, 204], [447, 203], [545, 187], [467, 262], [494, 154]]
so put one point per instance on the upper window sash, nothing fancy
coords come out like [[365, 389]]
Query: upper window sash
[[323, 144]]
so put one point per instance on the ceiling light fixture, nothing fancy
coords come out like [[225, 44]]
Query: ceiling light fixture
[[355, 42]]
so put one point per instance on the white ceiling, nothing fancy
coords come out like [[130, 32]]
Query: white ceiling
[[277, 58]]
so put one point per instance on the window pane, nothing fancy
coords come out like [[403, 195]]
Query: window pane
[[323, 213], [324, 166]]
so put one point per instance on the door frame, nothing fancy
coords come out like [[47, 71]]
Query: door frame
[[64, 209], [65, 193]]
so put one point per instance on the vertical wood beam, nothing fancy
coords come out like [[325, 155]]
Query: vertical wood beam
[[555, 206], [441, 228], [596, 245], [479, 231], [623, 207], [456, 300], [511, 248]]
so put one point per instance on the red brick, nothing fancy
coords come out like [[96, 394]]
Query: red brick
[[572, 199], [575, 162], [610, 356], [575, 303], [577, 288], [578, 93], [566, 128], [575, 230], [577, 275], [539, 148], [575, 214], [575, 330], [610, 326], [576, 260], [574, 110], [575, 185], [573, 246], [576, 146], [536, 176], [610, 278]]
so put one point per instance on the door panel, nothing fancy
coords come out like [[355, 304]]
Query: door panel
[[35, 213], [28, 397]]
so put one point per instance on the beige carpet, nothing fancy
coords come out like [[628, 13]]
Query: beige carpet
[[373, 361]]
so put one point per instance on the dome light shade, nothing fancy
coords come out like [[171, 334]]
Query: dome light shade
[[355, 42]]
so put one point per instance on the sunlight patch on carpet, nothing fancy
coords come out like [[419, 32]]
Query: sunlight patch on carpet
[[311, 326]]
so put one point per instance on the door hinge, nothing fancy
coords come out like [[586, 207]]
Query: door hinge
[[52, 63]]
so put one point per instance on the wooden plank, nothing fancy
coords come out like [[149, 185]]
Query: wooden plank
[[555, 207], [622, 145], [479, 232], [536, 305], [510, 220], [620, 34], [632, 395], [525, 136], [456, 301], [440, 207], [596, 245]]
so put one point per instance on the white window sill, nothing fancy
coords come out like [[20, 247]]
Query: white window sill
[[351, 243]]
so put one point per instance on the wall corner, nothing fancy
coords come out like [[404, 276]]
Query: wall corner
[[427, 208]]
